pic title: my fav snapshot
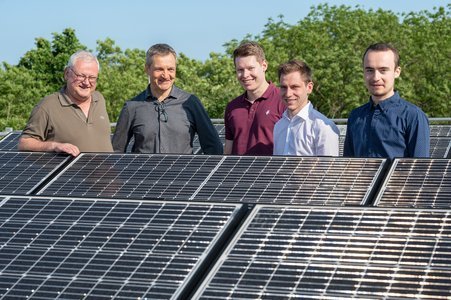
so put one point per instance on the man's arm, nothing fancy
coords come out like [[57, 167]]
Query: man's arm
[[121, 134], [228, 147], [418, 139], [32, 144], [328, 140], [348, 147]]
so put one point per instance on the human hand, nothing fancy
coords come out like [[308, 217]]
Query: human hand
[[66, 148]]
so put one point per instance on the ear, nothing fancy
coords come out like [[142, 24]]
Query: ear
[[66, 71], [397, 72], [309, 87], [264, 65], [147, 69]]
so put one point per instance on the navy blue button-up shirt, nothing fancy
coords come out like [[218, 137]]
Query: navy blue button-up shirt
[[393, 128]]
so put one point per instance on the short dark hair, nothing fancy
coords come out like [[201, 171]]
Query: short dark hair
[[249, 49], [383, 47], [159, 49], [296, 65]]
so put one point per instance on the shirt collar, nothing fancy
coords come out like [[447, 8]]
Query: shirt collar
[[174, 94], [302, 114], [66, 101], [387, 103], [267, 94]]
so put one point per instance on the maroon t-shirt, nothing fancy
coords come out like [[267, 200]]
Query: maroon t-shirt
[[251, 125]]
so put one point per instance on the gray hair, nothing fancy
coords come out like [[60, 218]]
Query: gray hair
[[159, 49], [82, 55]]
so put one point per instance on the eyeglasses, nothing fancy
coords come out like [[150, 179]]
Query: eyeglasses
[[162, 114], [82, 77]]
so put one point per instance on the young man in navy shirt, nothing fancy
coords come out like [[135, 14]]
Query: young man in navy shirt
[[386, 126]]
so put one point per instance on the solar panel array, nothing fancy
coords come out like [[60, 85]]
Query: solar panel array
[[440, 140], [142, 226], [440, 147], [10, 141], [96, 249], [319, 253], [440, 130], [420, 183], [22, 172], [248, 179]]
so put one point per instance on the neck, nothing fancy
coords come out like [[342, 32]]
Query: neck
[[257, 93], [379, 99]]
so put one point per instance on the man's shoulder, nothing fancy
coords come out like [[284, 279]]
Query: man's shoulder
[[361, 108], [236, 102], [319, 118], [137, 100], [50, 100]]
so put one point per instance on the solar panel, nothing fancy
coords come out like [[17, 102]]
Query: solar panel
[[341, 253], [97, 249], [221, 132], [342, 129], [10, 141], [341, 142], [22, 172], [420, 183], [295, 180], [440, 130], [138, 176], [246, 179], [440, 147]]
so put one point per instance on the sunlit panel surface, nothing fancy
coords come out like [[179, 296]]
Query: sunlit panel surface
[[325, 253], [98, 249], [238, 179], [420, 183], [22, 172]]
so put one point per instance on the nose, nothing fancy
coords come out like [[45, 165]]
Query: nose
[[377, 75], [288, 92]]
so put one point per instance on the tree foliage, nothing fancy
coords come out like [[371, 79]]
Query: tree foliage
[[331, 39]]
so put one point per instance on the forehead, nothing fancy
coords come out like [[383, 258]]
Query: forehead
[[244, 61], [163, 60], [379, 59], [292, 78], [83, 64]]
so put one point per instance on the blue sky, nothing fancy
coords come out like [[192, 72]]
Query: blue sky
[[195, 27]]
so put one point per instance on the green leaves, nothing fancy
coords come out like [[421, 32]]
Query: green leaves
[[331, 39]]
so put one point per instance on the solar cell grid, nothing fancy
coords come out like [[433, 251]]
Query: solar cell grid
[[22, 172], [440, 147], [284, 252], [440, 130], [143, 176], [283, 180], [67, 248], [420, 183], [10, 141]]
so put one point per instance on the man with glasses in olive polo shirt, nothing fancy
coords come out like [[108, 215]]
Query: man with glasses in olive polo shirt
[[74, 119]]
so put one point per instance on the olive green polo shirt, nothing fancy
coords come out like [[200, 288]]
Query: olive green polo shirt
[[57, 118]]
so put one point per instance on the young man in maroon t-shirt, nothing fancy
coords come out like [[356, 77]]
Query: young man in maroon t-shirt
[[249, 119]]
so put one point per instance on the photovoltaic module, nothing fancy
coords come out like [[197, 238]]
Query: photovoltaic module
[[96, 249]]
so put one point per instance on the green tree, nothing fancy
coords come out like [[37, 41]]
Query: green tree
[[331, 39]]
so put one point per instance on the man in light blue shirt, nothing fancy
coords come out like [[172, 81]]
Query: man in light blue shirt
[[302, 130], [386, 126]]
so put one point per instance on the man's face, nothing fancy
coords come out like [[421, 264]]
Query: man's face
[[295, 91], [162, 73], [380, 73], [250, 73], [81, 80]]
